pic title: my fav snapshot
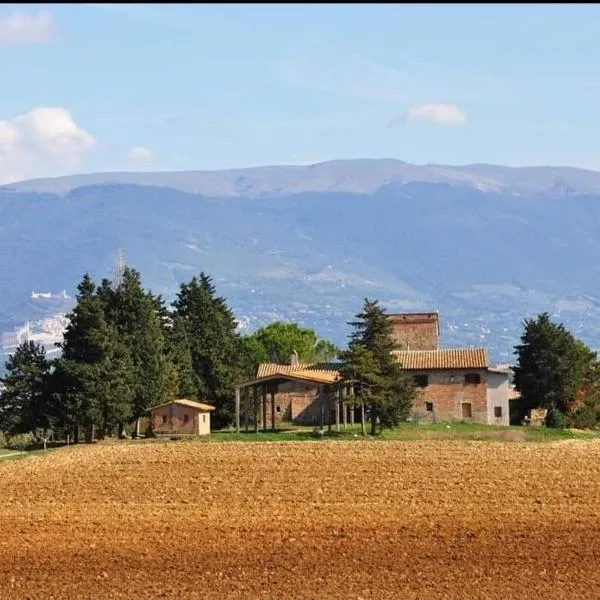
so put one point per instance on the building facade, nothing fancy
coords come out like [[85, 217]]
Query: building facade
[[453, 384], [181, 417]]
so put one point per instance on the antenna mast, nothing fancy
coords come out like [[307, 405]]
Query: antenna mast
[[119, 267]]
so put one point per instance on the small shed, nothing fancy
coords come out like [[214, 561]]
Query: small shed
[[181, 417]]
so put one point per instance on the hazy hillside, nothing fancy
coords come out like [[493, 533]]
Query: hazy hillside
[[485, 259], [363, 176]]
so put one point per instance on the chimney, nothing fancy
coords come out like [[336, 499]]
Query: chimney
[[294, 362]]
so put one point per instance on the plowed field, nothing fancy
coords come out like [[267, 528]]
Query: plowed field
[[310, 520]]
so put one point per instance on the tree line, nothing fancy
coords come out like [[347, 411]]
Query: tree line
[[126, 350]]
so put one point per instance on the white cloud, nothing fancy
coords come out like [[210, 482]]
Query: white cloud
[[22, 28], [41, 142], [440, 114], [139, 154]]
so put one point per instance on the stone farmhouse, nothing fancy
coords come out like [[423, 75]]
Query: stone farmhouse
[[454, 384]]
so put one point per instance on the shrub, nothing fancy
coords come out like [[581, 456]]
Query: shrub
[[585, 417], [555, 419], [20, 441]]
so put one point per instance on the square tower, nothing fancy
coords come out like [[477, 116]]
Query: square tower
[[416, 331]]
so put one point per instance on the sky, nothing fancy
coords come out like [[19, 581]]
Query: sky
[[102, 87]]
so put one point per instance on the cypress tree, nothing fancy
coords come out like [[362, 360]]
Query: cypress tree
[[93, 372], [134, 315], [214, 344]]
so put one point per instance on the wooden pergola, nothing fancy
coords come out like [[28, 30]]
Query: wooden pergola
[[257, 394]]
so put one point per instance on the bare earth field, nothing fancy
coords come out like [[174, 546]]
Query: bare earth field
[[310, 520]]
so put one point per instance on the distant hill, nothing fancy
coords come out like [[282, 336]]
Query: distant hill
[[364, 176], [484, 245]]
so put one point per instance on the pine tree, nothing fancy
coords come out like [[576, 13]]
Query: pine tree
[[25, 403], [380, 384], [134, 315], [92, 376], [214, 344], [179, 353], [552, 366]]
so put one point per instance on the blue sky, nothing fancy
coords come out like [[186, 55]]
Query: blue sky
[[94, 87]]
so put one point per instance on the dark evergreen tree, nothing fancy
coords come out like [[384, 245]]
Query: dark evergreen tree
[[134, 314], [184, 382], [94, 369], [25, 402], [369, 364], [214, 344], [551, 366]]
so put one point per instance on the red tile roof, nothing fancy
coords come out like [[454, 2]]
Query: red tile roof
[[411, 360]]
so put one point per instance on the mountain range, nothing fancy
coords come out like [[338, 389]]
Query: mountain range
[[484, 245]]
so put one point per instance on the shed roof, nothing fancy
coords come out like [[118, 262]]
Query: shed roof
[[185, 402], [320, 372]]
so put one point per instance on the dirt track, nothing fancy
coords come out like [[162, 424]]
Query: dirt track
[[402, 521]]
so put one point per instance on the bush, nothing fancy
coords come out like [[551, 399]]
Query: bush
[[20, 441], [149, 433], [3, 442], [585, 417], [555, 419]]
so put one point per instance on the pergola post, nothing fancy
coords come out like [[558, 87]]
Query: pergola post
[[237, 409], [264, 406], [272, 390], [256, 407], [351, 394], [246, 402], [344, 407], [322, 406], [337, 409]]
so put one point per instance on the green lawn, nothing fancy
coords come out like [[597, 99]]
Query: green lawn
[[408, 432], [6, 454]]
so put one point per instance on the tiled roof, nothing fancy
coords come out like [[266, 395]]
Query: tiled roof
[[447, 358], [411, 360], [185, 402], [320, 372]]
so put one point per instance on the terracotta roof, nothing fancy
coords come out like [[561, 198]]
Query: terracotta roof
[[447, 358], [411, 360], [185, 402], [267, 369], [319, 372]]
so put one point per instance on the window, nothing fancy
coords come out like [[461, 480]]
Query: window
[[278, 409], [473, 378], [164, 419], [498, 412], [186, 418], [429, 406], [467, 413], [421, 380], [204, 418]]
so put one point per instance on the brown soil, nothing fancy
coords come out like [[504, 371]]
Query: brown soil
[[310, 520]]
